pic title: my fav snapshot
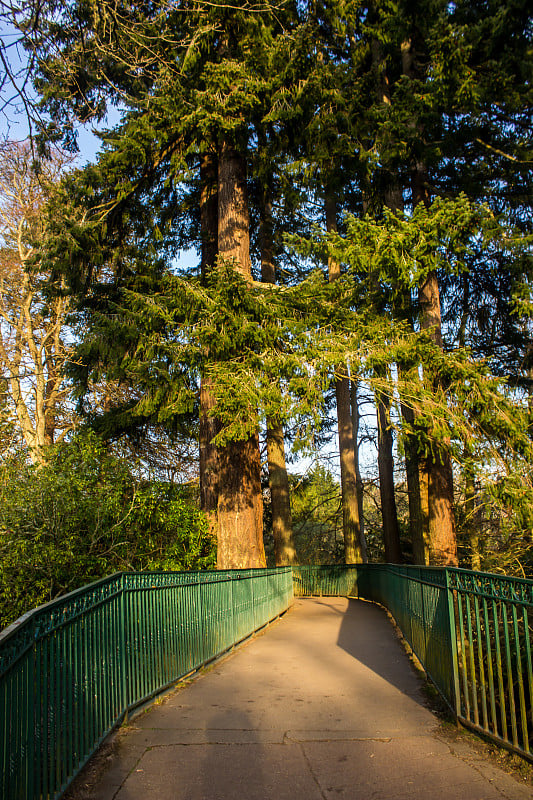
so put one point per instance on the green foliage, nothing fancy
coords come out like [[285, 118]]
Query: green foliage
[[317, 517], [352, 101], [84, 515]]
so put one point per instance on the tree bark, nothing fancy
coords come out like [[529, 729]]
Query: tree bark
[[240, 502], [391, 533], [359, 481], [418, 521], [209, 425], [443, 542], [416, 487], [394, 201], [284, 550], [354, 544], [442, 535], [389, 515]]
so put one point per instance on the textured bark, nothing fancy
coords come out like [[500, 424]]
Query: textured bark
[[418, 522], [423, 480], [359, 481], [233, 222], [240, 507], [240, 503], [443, 542], [354, 544], [473, 518], [278, 480], [391, 533], [393, 199], [209, 425], [284, 550]]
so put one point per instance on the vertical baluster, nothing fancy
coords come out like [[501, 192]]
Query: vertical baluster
[[521, 693], [471, 660], [510, 686], [464, 671], [481, 666], [490, 669], [499, 666]]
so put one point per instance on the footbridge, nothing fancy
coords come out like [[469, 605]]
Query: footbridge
[[323, 704]]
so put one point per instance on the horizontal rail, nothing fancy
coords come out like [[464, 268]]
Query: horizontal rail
[[71, 670], [471, 631]]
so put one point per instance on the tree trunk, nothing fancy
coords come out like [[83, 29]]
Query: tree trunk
[[284, 550], [209, 425], [359, 481], [443, 542], [394, 200], [472, 518], [391, 533], [416, 488], [389, 515], [418, 521], [354, 545], [240, 502]]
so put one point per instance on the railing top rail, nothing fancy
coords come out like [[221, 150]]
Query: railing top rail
[[58, 602], [31, 626], [485, 584], [150, 578]]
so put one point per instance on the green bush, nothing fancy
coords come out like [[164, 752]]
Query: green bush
[[84, 515]]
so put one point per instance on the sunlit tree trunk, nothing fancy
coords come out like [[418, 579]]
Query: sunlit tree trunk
[[280, 502], [442, 535], [209, 425], [240, 502], [416, 475], [354, 545], [355, 430]]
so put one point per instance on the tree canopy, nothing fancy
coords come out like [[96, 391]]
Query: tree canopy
[[354, 178]]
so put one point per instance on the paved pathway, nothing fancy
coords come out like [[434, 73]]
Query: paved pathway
[[323, 706]]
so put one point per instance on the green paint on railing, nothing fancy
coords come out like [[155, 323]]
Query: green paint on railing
[[72, 670], [471, 631]]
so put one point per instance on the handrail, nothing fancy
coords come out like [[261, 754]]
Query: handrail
[[471, 631], [71, 670]]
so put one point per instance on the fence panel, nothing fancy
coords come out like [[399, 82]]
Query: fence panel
[[493, 620], [472, 632], [327, 581], [71, 670]]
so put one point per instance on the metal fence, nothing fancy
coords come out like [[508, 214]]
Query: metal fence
[[471, 631], [71, 671]]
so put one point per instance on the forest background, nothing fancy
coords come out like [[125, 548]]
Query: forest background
[[354, 178]]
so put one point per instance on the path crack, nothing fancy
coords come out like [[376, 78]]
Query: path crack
[[312, 773]]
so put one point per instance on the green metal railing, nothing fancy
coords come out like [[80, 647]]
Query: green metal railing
[[471, 631], [71, 671]]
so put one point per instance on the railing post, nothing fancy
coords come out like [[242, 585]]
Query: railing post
[[453, 645]]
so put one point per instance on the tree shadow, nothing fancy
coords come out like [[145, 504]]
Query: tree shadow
[[366, 634]]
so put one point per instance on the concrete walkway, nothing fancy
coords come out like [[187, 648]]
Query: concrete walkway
[[324, 705]]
